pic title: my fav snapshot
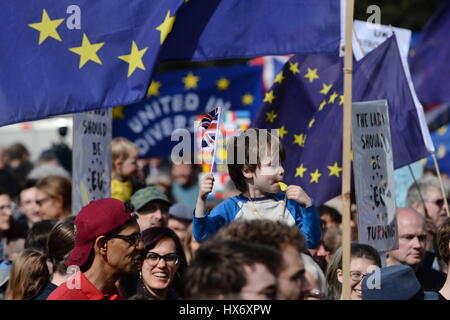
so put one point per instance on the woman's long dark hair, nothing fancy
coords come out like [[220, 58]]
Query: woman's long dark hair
[[151, 237]]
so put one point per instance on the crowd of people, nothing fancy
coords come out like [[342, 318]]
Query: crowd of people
[[160, 237]]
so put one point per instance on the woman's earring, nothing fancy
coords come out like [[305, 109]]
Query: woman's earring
[[140, 274]]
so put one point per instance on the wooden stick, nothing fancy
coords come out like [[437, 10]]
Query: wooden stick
[[444, 194], [346, 149]]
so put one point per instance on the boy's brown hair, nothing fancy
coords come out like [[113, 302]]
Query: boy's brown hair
[[122, 149], [246, 151], [443, 240]]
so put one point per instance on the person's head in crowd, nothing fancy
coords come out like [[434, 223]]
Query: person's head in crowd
[[17, 153], [180, 218], [412, 238], [292, 284], [6, 211], [329, 217], [124, 159], [38, 235], [60, 244], [54, 197], [163, 267], [317, 284], [331, 241], [185, 173], [190, 245], [29, 273], [428, 171], [152, 207], [397, 282], [27, 202], [443, 243], [254, 159], [10, 232], [229, 269], [48, 164], [363, 260], [430, 192], [107, 246]]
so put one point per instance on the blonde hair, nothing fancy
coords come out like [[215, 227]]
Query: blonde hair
[[55, 187], [122, 149], [29, 273]]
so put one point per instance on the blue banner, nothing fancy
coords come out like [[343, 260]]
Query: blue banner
[[176, 99], [441, 141]]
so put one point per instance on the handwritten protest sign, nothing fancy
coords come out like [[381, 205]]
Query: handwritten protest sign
[[91, 157], [374, 175]]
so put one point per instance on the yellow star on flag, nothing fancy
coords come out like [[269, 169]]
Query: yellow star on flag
[[279, 78], [325, 88], [294, 67], [247, 99], [165, 27], [300, 171], [442, 130], [223, 84], [190, 81], [282, 132], [311, 122], [334, 170], [271, 116], [442, 151], [87, 51], [269, 97], [341, 99], [134, 59], [153, 89], [47, 27], [315, 176], [333, 97], [322, 105], [311, 75], [117, 112], [300, 139]]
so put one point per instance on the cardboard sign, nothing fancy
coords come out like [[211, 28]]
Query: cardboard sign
[[373, 170], [91, 157]]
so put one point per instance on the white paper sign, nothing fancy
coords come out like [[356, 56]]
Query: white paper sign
[[374, 175], [91, 157]]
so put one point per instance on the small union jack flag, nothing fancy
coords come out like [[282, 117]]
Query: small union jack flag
[[207, 123], [210, 118]]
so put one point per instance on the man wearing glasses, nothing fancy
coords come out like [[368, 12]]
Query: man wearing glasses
[[107, 247]]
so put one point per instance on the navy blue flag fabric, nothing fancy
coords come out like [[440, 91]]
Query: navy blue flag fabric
[[177, 98], [103, 52], [441, 140], [430, 59], [306, 106]]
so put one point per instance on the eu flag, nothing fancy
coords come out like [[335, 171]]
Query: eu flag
[[67, 56], [306, 103], [429, 59]]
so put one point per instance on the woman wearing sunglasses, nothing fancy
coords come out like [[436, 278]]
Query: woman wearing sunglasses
[[163, 265]]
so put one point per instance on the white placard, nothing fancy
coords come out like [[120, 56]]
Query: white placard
[[91, 157], [373, 170]]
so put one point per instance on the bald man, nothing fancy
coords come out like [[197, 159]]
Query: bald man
[[412, 238]]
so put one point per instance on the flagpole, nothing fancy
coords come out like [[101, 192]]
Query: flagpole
[[444, 194], [215, 140], [346, 149]]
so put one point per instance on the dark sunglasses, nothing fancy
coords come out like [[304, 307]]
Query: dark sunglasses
[[132, 239], [440, 202]]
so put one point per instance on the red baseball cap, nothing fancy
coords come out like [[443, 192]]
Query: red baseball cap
[[98, 218]]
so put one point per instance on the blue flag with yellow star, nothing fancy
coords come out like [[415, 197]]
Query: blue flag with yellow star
[[67, 56], [441, 141], [306, 103], [176, 99]]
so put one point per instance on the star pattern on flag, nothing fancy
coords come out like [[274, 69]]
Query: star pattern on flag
[[248, 99], [282, 132], [279, 78], [294, 67], [165, 27], [300, 139], [269, 97], [325, 88], [47, 27], [333, 97], [334, 170], [322, 105], [300, 171], [223, 84], [341, 99], [311, 122], [191, 81], [134, 59], [153, 89], [311, 75], [315, 176], [270, 116], [88, 51], [117, 112]]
